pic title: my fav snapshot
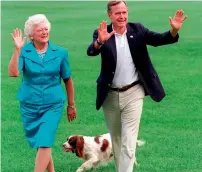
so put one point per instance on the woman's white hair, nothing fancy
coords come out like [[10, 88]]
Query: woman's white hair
[[34, 20]]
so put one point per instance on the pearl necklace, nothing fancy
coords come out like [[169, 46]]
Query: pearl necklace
[[42, 51]]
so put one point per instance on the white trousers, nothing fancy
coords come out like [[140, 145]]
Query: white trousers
[[122, 111]]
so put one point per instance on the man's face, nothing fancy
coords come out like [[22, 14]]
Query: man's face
[[119, 15]]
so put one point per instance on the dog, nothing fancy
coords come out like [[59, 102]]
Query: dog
[[94, 150]]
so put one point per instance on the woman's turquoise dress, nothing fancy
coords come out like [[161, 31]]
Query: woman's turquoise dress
[[41, 94]]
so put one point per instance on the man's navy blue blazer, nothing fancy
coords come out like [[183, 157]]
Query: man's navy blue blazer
[[138, 38]]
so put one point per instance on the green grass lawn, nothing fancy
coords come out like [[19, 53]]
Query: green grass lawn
[[172, 128]]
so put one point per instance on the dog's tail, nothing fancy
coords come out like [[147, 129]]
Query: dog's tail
[[140, 143]]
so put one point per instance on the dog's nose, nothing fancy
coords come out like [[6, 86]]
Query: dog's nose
[[63, 145]]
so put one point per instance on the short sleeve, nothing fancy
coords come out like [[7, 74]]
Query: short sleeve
[[65, 71], [21, 63]]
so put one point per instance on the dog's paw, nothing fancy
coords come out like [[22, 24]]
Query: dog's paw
[[79, 170]]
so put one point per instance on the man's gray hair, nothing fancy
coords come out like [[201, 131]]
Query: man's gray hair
[[113, 3]]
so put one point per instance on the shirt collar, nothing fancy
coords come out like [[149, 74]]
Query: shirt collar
[[118, 33]]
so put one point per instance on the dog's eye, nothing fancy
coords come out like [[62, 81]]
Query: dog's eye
[[69, 140]]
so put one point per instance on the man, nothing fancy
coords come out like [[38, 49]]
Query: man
[[127, 75]]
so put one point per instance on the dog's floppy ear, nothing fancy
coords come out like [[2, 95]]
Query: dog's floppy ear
[[79, 146]]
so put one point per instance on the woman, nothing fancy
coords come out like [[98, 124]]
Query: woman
[[41, 96]]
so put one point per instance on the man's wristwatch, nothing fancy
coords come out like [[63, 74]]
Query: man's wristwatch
[[99, 43]]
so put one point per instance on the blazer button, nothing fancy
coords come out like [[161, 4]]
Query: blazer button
[[109, 85], [113, 73]]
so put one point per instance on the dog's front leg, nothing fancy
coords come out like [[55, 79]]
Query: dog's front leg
[[88, 164]]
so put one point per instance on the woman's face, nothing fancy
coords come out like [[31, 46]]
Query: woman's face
[[40, 33]]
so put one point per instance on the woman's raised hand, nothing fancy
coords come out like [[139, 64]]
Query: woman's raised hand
[[17, 38]]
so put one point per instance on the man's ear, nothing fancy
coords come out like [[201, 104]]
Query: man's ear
[[109, 14]]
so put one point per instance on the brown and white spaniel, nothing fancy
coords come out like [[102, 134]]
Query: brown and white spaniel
[[93, 150]]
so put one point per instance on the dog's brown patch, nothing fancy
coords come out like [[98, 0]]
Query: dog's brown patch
[[105, 145], [97, 139]]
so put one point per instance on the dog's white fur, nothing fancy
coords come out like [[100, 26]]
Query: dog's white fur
[[92, 154]]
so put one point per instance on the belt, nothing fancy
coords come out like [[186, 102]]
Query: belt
[[124, 88]]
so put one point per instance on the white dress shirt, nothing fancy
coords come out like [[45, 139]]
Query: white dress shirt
[[125, 73]]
